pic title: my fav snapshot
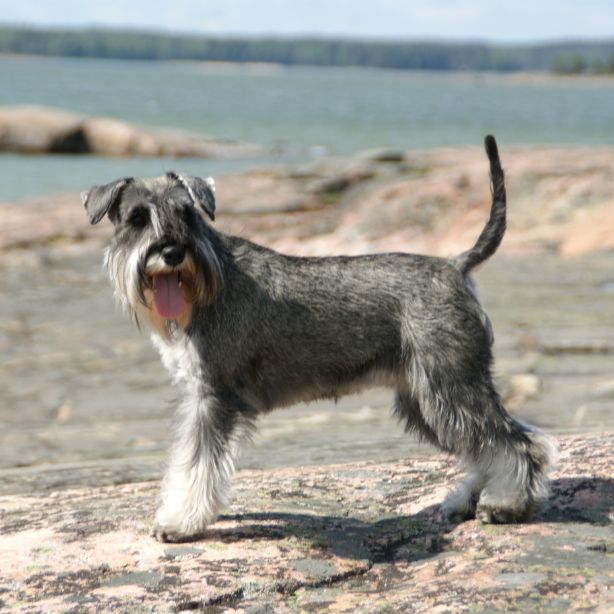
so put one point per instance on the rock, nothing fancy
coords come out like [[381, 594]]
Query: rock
[[393, 156], [111, 137], [355, 537], [519, 388], [332, 179], [31, 129], [435, 202], [45, 220], [38, 130]]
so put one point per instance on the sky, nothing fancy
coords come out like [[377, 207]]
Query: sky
[[484, 20]]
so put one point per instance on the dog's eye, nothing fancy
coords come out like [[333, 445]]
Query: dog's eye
[[187, 213], [138, 218]]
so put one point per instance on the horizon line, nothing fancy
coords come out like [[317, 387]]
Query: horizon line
[[322, 37]]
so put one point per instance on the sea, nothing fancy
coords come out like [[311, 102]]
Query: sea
[[296, 113]]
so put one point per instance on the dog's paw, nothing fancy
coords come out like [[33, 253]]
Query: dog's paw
[[167, 534], [493, 514], [172, 524], [460, 504], [457, 516]]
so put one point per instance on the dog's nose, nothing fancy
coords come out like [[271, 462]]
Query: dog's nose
[[173, 255]]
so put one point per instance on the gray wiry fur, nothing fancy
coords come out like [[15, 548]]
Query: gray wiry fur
[[263, 330]]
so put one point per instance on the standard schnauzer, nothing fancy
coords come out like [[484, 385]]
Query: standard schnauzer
[[244, 329]]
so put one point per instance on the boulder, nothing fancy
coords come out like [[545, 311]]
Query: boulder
[[112, 137], [40, 130], [31, 129]]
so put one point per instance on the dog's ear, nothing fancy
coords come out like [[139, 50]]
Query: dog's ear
[[99, 200], [201, 191]]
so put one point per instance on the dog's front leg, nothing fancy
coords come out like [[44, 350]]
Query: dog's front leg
[[201, 463]]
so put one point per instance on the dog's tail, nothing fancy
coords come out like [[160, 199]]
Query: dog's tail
[[493, 232]]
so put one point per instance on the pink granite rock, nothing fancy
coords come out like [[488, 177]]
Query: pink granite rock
[[361, 537], [560, 200]]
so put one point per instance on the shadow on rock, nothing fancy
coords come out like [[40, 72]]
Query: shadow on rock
[[579, 499], [344, 536], [582, 499]]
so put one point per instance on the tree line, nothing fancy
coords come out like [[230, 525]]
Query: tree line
[[576, 64], [132, 45]]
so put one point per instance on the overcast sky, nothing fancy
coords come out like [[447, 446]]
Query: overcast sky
[[518, 21]]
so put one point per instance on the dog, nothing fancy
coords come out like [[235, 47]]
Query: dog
[[244, 330]]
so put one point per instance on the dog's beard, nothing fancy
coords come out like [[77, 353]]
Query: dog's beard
[[160, 296]]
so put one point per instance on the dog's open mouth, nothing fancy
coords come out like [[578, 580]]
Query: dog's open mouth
[[168, 294]]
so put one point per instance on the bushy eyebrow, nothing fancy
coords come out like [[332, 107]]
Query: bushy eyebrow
[[155, 220]]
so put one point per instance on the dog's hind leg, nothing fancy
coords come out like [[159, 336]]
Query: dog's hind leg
[[461, 503], [515, 471], [196, 483], [506, 460], [407, 410]]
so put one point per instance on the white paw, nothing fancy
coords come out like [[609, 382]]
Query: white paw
[[460, 504], [173, 534], [493, 509], [173, 525]]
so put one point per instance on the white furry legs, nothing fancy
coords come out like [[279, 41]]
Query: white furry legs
[[506, 459], [507, 484], [461, 503], [196, 483]]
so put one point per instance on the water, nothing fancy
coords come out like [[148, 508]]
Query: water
[[298, 112]]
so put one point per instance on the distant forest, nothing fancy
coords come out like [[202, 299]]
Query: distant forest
[[567, 57]]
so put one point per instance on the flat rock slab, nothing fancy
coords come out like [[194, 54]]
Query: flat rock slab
[[360, 537]]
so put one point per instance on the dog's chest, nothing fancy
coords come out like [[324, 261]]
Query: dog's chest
[[180, 358]]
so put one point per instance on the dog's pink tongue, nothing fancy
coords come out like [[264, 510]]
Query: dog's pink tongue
[[168, 297]]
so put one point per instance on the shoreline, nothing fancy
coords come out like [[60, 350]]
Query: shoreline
[[264, 67]]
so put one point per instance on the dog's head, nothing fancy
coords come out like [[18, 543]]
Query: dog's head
[[161, 260]]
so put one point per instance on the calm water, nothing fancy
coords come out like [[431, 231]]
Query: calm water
[[298, 112]]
